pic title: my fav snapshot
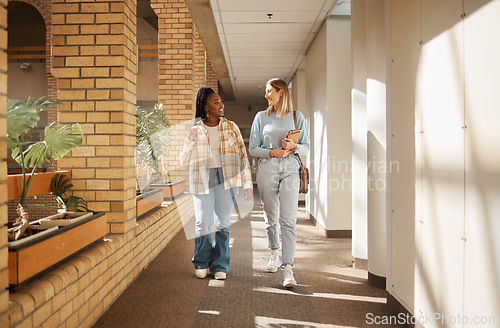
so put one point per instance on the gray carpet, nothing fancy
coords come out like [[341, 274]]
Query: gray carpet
[[330, 292]]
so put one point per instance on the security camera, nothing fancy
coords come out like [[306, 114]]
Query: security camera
[[26, 67]]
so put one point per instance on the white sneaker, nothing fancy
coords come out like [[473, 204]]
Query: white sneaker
[[288, 280], [220, 275], [272, 266], [201, 273]]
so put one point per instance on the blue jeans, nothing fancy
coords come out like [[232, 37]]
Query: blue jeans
[[278, 183], [218, 201]]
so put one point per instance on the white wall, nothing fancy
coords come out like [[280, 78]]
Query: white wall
[[299, 94], [359, 128], [482, 159], [147, 80], [339, 123], [316, 104], [405, 81], [376, 108], [147, 68], [328, 79], [23, 84], [243, 115], [445, 114], [371, 124]]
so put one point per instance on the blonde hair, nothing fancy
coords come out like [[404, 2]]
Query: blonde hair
[[285, 104]]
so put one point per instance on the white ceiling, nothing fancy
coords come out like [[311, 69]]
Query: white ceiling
[[257, 48]]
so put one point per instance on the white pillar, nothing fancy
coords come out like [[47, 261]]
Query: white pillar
[[359, 127], [339, 222], [376, 137]]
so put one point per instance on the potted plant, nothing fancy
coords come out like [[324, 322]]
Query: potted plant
[[22, 117], [72, 209], [57, 141], [152, 143]]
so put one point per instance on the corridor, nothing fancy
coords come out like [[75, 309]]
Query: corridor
[[330, 292]]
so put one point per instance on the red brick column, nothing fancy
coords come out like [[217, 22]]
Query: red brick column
[[4, 272], [94, 60]]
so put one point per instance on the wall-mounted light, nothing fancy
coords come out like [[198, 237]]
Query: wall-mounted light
[[270, 15], [25, 67]]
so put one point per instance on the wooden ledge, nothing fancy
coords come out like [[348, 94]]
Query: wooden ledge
[[39, 186]]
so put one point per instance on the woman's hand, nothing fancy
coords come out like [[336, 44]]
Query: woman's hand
[[248, 194], [280, 152], [288, 144]]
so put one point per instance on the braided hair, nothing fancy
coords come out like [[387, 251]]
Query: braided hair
[[201, 101]]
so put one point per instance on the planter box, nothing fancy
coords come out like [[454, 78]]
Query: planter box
[[42, 232], [171, 188], [28, 259], [148, 200], [57, 219]]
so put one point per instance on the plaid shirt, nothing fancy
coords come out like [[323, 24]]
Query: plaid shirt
[[234, 159]]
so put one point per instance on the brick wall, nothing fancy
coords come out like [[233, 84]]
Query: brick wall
[[175, 58], [200, 64], [78, 292], [35, 213], [212, 81], [94, 61], [176, 85], [4, 281]]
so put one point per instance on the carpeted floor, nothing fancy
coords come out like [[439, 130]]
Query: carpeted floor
[[330, 292]]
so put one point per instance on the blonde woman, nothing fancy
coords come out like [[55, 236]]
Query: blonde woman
[[278, 172]]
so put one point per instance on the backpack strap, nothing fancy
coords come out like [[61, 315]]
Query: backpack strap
[[295, 123]]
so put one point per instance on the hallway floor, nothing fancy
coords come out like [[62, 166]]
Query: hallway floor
[[330, 293]]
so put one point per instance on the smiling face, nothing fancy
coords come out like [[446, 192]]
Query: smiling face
[[273, 96], [214, 106]]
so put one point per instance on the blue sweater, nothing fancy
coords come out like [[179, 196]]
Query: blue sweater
[[268, 132]]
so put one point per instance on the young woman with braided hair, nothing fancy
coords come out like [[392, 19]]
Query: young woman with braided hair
[[218, 166]]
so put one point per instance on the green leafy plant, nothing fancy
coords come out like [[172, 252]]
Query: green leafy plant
[[152, 138], [59, 186], [22, 117]]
